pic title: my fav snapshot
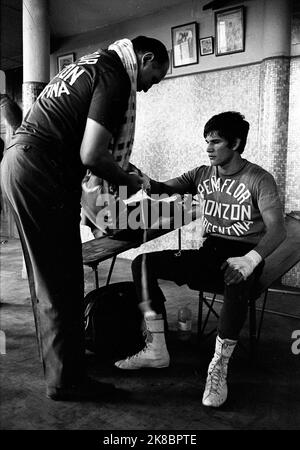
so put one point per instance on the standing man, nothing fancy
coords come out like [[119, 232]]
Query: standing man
[[83, 116], [243, 223]]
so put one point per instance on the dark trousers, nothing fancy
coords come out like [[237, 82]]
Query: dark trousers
[[47, 214], [198, 269]]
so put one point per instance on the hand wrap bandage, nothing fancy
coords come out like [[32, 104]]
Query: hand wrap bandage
[[245, 264], [146, 183]]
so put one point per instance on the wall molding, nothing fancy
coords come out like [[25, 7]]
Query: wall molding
[[236, 66]]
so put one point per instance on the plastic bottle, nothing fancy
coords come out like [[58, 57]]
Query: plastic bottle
[[184, 323]]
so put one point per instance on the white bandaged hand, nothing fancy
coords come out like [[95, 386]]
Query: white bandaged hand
[[245, 264]]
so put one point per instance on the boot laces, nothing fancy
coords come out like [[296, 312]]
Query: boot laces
[[217, 376], [148, 336], [140, 353]]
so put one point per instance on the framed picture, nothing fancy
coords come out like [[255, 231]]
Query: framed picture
[[230, 31], [65, 60], [170, 60], [185, 44], [206, 46]]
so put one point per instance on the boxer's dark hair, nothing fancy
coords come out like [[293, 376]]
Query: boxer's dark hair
[[230, 125]]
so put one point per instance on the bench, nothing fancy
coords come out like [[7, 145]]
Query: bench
[[100, 249]]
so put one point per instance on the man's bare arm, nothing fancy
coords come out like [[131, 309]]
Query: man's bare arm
[[275, 232], [95, 156], [169, 187]]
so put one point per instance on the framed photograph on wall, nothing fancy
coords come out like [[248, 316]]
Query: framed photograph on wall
[[185, 44], [230, 31], [65, 60], [206, 46], [170, 60]]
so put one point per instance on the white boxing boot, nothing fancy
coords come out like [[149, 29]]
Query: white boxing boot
[[155, 353], [215, 393]]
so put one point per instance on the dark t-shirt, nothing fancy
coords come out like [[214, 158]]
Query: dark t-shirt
[[233, 204], [95, 86]]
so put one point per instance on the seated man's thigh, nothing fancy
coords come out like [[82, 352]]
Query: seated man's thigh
[[184, 267], [167, 264], [204, 269]]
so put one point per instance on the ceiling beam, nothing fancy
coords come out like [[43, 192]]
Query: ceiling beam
[[217, 4]]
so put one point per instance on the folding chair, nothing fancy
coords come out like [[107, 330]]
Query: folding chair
[[277, 264]]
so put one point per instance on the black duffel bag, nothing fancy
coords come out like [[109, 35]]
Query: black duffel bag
[[113, 321]]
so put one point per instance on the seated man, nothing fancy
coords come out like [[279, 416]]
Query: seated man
[[243, 223]]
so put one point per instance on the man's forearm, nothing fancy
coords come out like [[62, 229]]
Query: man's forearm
[[107, 168], [241, 267], [270, 241], [158, 187], [132, 168]]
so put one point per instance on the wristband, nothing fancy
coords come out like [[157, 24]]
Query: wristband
[[254, 257], [146, 184]]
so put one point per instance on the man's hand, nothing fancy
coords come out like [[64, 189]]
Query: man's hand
[[146, 186], [135, 183], [240, 267]]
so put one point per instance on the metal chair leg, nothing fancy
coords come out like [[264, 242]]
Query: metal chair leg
[[202, 301], [262, 315], [200, 314], [111, 270], [210, 307], [95, 270]]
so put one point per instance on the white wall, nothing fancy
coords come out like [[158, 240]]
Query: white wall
[[171, 143], [159, 25]]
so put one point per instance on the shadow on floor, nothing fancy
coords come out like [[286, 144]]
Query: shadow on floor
[[263, 395]]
